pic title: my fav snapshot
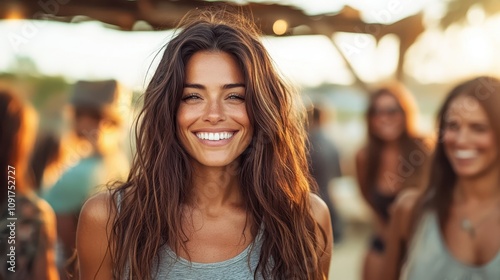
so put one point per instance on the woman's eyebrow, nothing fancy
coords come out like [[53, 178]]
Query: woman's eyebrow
[[226, 86], [235, 85], [197, 86]]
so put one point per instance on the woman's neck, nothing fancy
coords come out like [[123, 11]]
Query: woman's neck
[[479, 189], [215, 187], [391, 145]]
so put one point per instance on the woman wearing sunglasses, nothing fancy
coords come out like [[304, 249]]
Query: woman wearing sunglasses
[[394, 158]]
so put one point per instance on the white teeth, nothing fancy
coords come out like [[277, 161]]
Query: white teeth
[[214, 136], [464, 154]]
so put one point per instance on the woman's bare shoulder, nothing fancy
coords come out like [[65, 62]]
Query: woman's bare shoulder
[[96, 217], [321, 214], [98, 207], [93, 233], [319, 209]]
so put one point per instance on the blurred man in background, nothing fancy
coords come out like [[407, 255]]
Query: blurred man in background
[[325, 166], [97, 113]]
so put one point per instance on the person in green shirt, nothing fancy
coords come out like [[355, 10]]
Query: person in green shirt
[[97, 117]]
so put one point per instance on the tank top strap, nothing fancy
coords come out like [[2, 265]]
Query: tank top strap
[[119, 198]]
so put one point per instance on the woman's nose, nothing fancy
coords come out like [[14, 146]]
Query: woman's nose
[[214, 112], [462, 136]]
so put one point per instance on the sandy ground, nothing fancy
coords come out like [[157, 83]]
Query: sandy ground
[[348, 256], [347, 260]]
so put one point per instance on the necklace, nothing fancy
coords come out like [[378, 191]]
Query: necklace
[[468, 226]]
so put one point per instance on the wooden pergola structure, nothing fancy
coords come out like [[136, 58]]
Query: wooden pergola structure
[[165, 14]]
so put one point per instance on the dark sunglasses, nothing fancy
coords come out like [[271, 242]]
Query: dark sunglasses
[[389, 111]]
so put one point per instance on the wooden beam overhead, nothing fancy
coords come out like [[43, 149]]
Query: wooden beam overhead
[[165, 14]]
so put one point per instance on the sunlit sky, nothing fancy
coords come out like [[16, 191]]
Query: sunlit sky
[[91, 51], [383, 11]]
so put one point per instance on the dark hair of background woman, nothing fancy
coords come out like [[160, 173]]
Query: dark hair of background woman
[[15, 142]]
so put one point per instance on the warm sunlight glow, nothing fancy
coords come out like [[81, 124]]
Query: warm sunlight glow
[[460, 52], [14, 13], [371, 61], [89, 50], [476, 15], [280, 27]]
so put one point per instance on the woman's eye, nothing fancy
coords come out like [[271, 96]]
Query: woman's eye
[[236, 96], [480, 128], [452, 126], [191, 96]]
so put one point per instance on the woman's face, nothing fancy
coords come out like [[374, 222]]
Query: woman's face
[[468, 138], [86, 124], [386, 118], [213, 125]]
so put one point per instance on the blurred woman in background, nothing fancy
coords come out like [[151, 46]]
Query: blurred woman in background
[[452, 229], [35, 224], [393, 159]]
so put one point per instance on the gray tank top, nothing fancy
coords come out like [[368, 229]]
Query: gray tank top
[[240, 267], [429, 258]]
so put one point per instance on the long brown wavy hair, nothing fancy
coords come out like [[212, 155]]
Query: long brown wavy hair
[[411, 145], [273, 170], [439, 192]]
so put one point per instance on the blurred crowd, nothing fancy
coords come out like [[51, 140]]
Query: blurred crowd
[[435, 200], [55, 174]]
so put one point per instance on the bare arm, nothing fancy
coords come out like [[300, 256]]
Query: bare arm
[[45, 263], [399, 234], [322, 216], [360, 173], [361, 167], [92, 239]]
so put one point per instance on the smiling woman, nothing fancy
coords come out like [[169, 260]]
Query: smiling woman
[[219, 188], [452, 229]]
